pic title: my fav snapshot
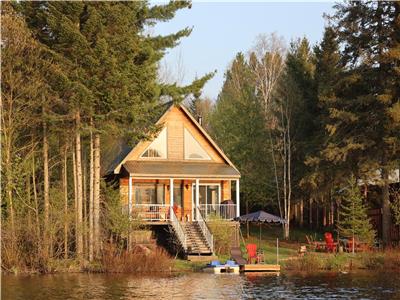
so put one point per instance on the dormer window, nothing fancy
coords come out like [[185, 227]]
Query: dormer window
[[158, 148], [193, 150]]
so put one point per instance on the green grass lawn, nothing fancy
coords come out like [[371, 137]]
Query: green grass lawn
[[269, 236]]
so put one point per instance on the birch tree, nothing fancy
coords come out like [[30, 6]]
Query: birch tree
[[267, 65]]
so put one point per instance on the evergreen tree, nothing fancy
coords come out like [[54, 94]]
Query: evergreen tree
[[321, 174], [83, 71], [353, 221], [364, 121], [237, 124]]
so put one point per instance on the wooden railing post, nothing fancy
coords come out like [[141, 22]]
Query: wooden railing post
[[197, 197], [237, 198]]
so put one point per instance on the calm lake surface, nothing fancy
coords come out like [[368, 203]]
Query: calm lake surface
[[203, 286]]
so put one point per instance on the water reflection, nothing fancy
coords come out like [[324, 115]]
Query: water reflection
[[202, 286]]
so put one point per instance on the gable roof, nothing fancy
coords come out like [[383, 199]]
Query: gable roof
[[116, 167]]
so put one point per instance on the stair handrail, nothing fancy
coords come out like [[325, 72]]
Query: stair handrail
[[205, 230], [179, 231]]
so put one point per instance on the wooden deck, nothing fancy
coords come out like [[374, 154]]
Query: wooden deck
[[260, 268]]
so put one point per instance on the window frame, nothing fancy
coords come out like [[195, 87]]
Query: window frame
[[208, 158], [148, 147]]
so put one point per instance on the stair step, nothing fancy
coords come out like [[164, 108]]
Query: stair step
[[196, 242]]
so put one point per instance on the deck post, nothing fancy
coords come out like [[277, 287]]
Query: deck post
[[197, 197], [237, 199], [171, 194], [130, 195]]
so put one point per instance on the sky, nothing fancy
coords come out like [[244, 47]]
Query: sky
[[222, 29]]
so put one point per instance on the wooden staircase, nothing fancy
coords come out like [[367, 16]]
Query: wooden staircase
[[196, 243]]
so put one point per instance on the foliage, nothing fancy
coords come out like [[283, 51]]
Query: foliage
[[71, 70], [222, 233], [117, 219], [353, 221], [237, 124], [116, 260], [395, 206]]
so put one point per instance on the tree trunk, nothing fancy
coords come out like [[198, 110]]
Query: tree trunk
[[84, 205], [386, 215], [46, 183], [9, 192], [91, 171], [96, 194], [310, 213], [289, 169], [35, 198], [275, 175], [79, 190], [75, 193], [247, 223], [65, 191], [301, 212]]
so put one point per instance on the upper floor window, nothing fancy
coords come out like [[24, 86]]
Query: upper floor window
[[193, 150], [158, 148]]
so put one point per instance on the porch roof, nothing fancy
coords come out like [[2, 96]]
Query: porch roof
[[180, 169]]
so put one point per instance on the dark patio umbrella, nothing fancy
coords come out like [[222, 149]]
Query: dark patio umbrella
[[260, 217]]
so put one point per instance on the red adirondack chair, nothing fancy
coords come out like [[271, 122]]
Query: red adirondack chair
[[251, 252], [330, 244]]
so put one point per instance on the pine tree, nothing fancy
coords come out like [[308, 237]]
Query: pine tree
[[364, 118], [109, 85], [321, 174], [237, 124], [353, 221]]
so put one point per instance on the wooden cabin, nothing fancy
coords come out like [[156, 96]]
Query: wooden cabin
[[180, 178]]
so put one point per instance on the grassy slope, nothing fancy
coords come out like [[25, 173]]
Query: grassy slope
[[311, 261]]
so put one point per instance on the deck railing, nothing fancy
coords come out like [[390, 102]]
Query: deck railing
[[205, 230], [151, 212], [224, 211], [179, 231]]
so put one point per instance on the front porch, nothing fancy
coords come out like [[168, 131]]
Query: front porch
[[159, 200]]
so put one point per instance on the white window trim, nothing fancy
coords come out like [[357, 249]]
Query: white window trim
[[184, 148], [166, 148]]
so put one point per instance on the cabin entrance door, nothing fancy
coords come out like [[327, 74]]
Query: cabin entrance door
[[209, 198]]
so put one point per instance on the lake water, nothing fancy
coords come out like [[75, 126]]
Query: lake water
[[203, 286]]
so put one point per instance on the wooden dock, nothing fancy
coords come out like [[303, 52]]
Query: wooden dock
[[260, 268]]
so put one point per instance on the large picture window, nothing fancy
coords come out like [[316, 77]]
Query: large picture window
[[193, 150], [158, 148], [149, 193]]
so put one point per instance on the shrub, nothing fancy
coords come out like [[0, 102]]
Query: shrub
[[306, 263], [222, 232], [116, 260]]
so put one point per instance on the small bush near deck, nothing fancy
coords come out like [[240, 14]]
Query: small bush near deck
[[115, 260], [222, 232]]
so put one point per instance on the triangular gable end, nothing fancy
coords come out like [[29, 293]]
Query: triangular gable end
[[194, 147]]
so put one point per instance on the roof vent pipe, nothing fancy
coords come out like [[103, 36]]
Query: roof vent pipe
[[200, 120]]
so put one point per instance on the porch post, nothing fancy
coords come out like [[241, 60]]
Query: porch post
[[171, 194], [237, 199], [197, 197], [130, 195]]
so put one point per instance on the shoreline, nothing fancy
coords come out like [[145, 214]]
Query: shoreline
[[306, 265]]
